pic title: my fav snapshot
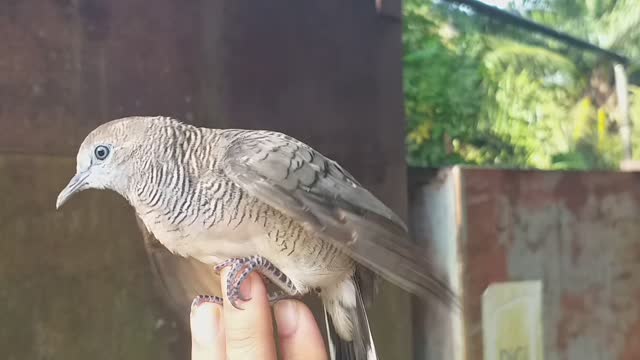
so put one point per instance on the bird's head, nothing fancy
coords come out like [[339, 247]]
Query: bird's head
[[105, 158]]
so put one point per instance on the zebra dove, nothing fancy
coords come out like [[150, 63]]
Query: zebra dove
[[256, 200]]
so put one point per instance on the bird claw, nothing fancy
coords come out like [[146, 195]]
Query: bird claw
[[274, 298], [240, 270], [225, 264], [201, 299]]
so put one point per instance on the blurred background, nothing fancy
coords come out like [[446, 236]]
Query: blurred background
[[515, 96], [501, 130]]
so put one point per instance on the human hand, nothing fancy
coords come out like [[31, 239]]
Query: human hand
[[219, 332]]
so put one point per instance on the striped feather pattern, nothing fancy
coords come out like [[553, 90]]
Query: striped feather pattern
[[216, 194]]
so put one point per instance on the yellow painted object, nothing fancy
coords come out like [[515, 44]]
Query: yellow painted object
[[511, 321]]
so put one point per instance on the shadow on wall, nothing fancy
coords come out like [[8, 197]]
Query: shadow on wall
[[76, 283]]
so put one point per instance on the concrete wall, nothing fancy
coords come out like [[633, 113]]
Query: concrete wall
[[576, 232]]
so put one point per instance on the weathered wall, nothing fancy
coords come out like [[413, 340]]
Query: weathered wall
[[69, 65], [73, 285], [577, 232], [327, 72], [435, 224]]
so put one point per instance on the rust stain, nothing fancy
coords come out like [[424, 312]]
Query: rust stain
[[485, 255], [576, 249], [575, 231], [632, 339], [572, 191], [573, 308]]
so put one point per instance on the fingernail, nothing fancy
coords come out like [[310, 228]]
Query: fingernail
[[286, 314], [246, 289], [205, 324]]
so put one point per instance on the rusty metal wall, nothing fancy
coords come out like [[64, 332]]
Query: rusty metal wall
[[327, 72], [577, 232]]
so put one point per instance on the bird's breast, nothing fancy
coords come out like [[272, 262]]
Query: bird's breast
[[243, 226], [209, 244]]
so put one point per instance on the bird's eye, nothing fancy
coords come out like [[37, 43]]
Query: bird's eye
[[101, 152]]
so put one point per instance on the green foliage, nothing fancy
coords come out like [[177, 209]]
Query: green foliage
[[529, 89], [442, 86], [483, 93]]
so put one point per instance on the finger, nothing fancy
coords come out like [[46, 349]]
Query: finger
[[249, 332], [298, 332], [207, 333]]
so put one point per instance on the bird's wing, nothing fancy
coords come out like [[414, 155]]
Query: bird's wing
[[316, 191]]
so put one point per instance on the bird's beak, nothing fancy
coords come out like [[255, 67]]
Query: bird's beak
[[76, 185]]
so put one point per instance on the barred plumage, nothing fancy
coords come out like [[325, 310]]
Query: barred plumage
[[218, 194]]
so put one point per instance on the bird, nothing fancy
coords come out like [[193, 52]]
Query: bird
[[260, 201]]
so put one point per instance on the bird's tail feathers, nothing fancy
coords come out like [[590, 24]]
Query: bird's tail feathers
[[343, 316]]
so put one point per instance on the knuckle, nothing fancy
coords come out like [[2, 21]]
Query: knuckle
[[242, 338]]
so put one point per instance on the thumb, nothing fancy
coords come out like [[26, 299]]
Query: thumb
[[249, 331]]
